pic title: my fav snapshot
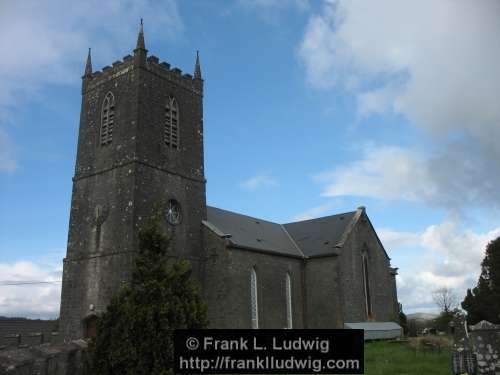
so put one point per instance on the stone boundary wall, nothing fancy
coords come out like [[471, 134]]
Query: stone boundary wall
[[46, 359], [27, 340]]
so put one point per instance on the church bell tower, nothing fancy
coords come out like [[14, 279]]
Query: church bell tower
[[140, 150]]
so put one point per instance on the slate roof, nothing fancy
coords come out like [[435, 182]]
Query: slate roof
[[317, 237], [253, 233], [320, 236]]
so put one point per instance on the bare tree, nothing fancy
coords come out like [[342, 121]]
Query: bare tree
[[446, 299]]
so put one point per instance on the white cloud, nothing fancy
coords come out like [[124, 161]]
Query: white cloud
[[455, 177], [395, 239], [258, 181], [435, 64], [32, 300], [460, 253], [386, 173], [447, 257]]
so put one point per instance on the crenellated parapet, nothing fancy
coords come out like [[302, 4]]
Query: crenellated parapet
[[140, 60], [161, 69]]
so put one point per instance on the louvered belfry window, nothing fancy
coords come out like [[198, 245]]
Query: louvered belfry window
[[254, 308], [171, 135], [107, 119]]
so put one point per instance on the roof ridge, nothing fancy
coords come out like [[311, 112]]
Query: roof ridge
[[350, 226], [250, 217], [264, 250], [214, 228], [283, 224], [321, 217], [293, 241]]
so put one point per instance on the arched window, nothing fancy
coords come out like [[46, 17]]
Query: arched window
[[171, 134], [288, 292], [254, 308], [107, 119], [366, 285]]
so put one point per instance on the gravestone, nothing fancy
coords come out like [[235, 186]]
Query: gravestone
[[485, 341], [476, 349]]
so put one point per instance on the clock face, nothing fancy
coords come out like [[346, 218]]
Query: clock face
[[174, 213]]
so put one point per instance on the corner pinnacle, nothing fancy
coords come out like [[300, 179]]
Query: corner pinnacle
[[140, 38], [88, 66], [197, 67]]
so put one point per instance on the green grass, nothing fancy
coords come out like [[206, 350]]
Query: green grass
[[383, 358]]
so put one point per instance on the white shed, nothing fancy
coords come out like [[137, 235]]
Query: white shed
[[377, 330]]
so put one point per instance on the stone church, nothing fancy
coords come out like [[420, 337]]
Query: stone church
[[140, 149]]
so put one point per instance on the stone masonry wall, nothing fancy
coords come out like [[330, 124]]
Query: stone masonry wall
[[381, 281], [46, 359], [323, 293], [227, 286]]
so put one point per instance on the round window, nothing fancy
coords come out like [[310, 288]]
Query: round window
[[174, 213]]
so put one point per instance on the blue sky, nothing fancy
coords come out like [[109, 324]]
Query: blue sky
[[311, 109]]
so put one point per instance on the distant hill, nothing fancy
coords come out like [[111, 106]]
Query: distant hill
[[24, 326], [17, 318], [422, 316]]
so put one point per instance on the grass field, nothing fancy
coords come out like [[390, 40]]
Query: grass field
[[383, 358]]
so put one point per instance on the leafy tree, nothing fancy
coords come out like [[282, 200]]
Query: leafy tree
[[483, 301], [476, 303], [134, 335]]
